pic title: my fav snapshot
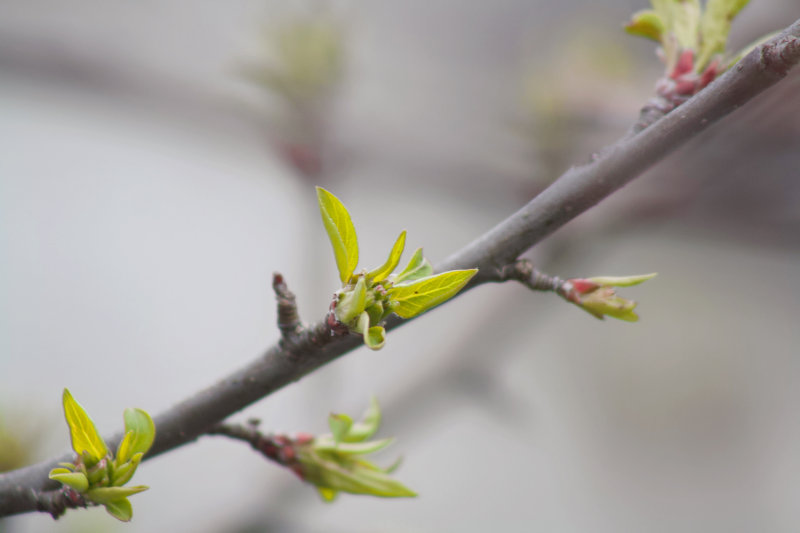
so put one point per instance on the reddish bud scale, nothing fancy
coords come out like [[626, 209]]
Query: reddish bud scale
[[288, 454], [684, 65], [303, 438], [582, 286]]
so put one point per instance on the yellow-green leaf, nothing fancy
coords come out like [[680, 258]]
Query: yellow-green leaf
[[368, 425], [355, 476], [140, 426], [418, 267], [354, 448], [76, 480], [341, 233], [86, 441], [104, 495], [340, 425], [715, 25], [622, 281], [411, 299], [375, 337], [352, 302], [124, 472], [686, 22], [646, 23], [380, 273], [327, 494], [120, 509]]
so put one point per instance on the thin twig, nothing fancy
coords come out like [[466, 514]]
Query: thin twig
[[576, 191]]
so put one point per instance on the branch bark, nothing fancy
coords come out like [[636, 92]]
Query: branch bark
[[577, 190]]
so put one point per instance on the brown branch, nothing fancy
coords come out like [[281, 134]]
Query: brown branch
[[576, 191]]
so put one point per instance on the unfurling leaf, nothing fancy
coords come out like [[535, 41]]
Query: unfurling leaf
[[351, 303], [375, 337], [411, 299], [353, 475], [622, 281], [76, 480], [418, 267], [341, 233], [354, 448], [120, 509], [380, 273], [715, 25], [104, 495], [86, 441], [140, 431], [124, 472], [327, 494], [340, 425], [368, 425], [647, 24]]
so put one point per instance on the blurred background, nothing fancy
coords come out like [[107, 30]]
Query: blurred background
[[157, 165]]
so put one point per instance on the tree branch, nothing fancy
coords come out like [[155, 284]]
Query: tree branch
[[577, 190]]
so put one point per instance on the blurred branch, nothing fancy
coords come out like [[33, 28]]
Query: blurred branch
[[576, 191]]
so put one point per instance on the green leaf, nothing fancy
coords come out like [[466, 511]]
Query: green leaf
[[124, 472], [375, 312], [411, 299], [685, 22], [356, 477], [327, 494], [353, 448], [380, 273], [99, 473], [104, 495], [368, 425], [715, 25], [76, 480], [120, 509], [646, 23], [140, 426], [622, 281], [352, 302], [375, 337], [341, 233], [340, 425], [86, 441], [394, 466], [418, 267]]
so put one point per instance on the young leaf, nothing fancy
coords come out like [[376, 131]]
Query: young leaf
[[327, 494], [144, 432], [340, 425], [418, 267], [715, 26], [411, 299], [622, 281], [356, 477], [375, 337], [86, 441], [104, 495], [351, 303], [368, 425], [380, 273], [124, 472], [647, 24], [120, 509], [685, 22], [341, 233], [355, 448], [76, 480]]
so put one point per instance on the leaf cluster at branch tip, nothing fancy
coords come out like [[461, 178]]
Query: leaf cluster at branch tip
[[96, 474], [368, 297]]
